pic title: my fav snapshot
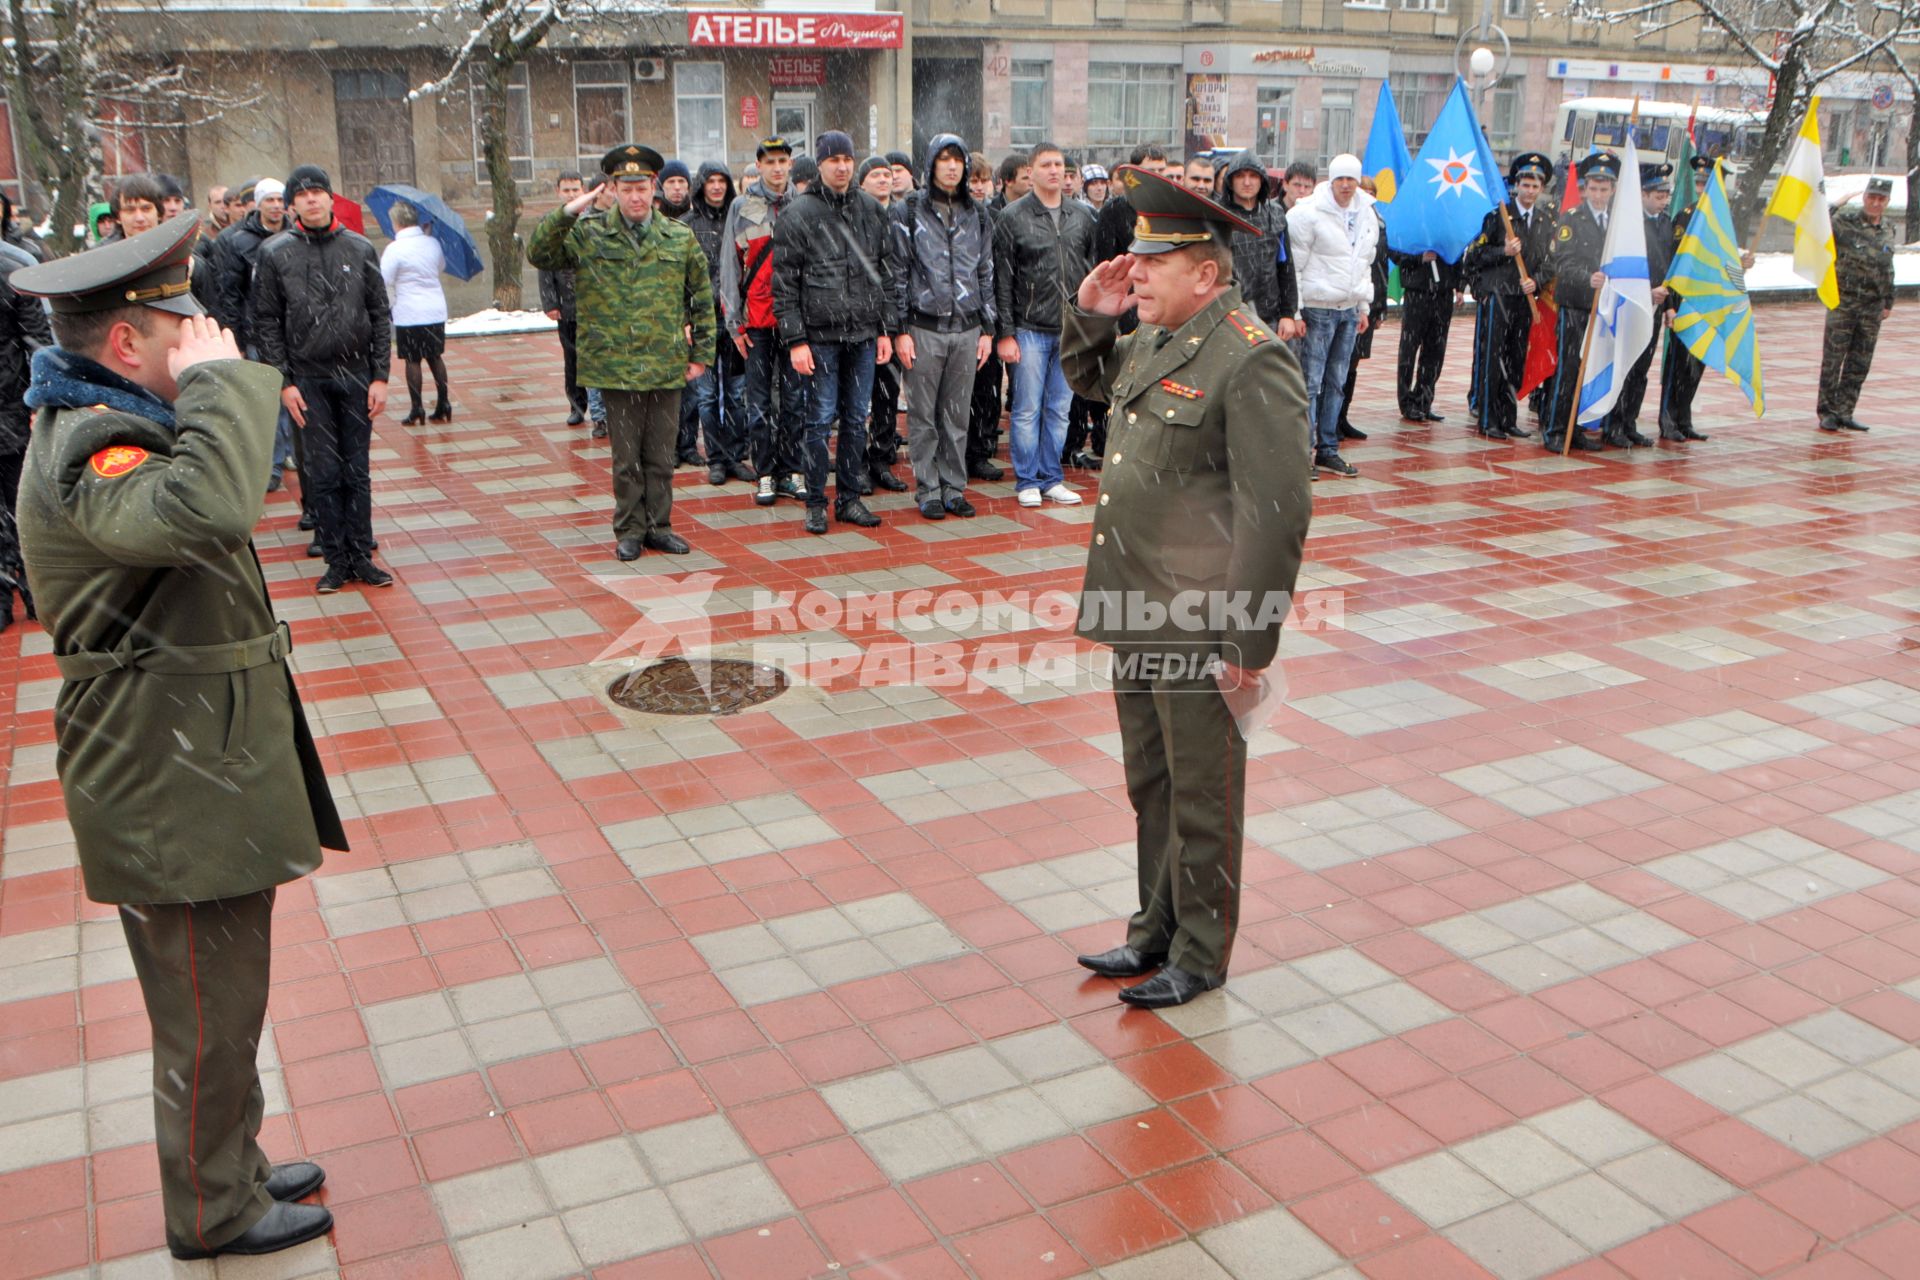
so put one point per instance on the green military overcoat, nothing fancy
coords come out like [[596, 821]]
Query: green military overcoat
[[1207, 484], [637, 293], [181, 746]]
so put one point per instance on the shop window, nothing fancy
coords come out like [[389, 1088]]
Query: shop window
[[1336, 123], [1273, 125], [1131, 103], [700, 113]]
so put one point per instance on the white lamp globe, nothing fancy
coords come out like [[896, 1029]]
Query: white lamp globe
[[1480, 62]]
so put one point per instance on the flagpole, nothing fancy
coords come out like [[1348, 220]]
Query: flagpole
[[1520, 260]]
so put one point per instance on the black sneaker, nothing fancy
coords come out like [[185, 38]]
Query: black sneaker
[[331, 581], [888, 481], [1334, 464], [985, 470], [371, 574], [717, 473], [854, 512], [1350, 432], [933, 510], [600, 429], [816, 519], [741, 471], [575, 418], [306, 521], [959, 506], [313, 549]]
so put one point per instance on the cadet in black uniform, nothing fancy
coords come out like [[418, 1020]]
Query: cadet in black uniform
[[1492, 262], [1579, 240], [1619, 428], [1428, 285], [1680, 370]]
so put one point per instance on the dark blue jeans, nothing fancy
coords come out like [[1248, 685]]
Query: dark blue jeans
[[774, 432], [336, 473], [841, 390]]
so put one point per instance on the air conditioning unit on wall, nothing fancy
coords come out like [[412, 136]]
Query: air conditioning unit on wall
[[649, 68]]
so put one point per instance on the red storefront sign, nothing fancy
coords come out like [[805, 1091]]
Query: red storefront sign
[[749, 113], [797, 70], [743, 29]]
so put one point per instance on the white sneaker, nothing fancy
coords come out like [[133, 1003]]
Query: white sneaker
[[1062, 495], [1031, 497]]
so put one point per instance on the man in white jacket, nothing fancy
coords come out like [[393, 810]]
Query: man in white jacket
[[1332, 235]]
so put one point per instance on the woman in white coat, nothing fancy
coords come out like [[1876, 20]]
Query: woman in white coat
[[411, 266]]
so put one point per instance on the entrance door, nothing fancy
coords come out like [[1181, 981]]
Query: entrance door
[[793, 120], [376, 129], [946, 99]]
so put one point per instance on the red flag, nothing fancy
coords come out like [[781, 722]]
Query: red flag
[[349, 215], [1543, 347]]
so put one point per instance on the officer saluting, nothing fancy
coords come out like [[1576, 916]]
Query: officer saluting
[[191, 780], [1204, 504]]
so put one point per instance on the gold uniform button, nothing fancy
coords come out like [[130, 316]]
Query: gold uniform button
[[1099, 539], [1133, 417], [1103, 499]]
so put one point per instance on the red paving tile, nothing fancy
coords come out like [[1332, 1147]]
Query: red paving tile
[[1819, 583]]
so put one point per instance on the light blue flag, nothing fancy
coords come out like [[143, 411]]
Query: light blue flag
[[1387, 160], [1451, 187], [1715, 321]]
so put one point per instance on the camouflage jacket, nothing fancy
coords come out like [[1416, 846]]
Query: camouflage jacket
[[1864, 259], [637, 291]]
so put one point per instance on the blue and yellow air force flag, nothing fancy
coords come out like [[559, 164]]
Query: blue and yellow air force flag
[[1387, 160], [1453, 184], [1715, 321], [1623, 313]]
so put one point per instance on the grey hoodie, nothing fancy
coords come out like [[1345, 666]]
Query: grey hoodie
[[946, 246]]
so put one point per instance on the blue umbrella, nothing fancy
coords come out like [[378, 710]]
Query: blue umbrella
[[448, 227]]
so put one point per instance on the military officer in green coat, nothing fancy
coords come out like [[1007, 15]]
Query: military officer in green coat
[[191, 781], [644, 306], [1197, 535]]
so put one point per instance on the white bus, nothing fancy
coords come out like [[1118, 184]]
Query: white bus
[[1586, 123]]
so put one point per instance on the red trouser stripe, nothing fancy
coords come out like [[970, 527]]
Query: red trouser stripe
[[193, 1111]]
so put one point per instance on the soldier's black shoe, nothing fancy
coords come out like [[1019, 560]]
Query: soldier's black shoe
[[959, 506], [985, 470], [853, 511], [1169, 987], [739, 470], [1831, 425], [1123, 962], [627, 548], [306, 521], [1672, 435], [600, 429], [1431, 416], [889, 481], [295, 1181], [666, 540], [331, 581], [933, 510], [282, 1227], [1350, 432], [313, 549], [1853, 424], [1688, 433], [1516, 432], [372, 574], [816, 519], [717, 473], [575, 418]]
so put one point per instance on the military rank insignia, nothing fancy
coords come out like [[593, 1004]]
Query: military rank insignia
[[1185, 392], [116, 460], [1252, 332]]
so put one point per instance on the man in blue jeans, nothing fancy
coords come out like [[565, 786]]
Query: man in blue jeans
[[834, 264], [1043, 246], [1332, 234]]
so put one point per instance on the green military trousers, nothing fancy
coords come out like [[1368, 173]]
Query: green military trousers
[[1846, 354], [644, 428], [203, 972], [1186, 767]]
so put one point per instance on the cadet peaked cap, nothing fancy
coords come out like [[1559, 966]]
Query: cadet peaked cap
[[1701, 164], [153, 269], [631, 160], [1656, 177], [1601, 164], [1879, 186], [770, 145], [1167, 216], [1530, 164]]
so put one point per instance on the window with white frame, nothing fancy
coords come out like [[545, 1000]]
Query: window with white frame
[[1506, 115], [1519, 9], [1032, 113], [700, 112], [1273, 125], [1423, 6], [1336, 123], [1130, 103], [519, 127], [602, 108], [1366, 4], [1419, 95]]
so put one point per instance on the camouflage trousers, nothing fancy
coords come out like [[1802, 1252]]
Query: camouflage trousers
[[1846, 356]]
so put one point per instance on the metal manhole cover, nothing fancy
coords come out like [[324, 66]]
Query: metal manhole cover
[[698, 686]]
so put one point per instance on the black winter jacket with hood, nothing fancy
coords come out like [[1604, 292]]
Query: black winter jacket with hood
[[319, 307], [834, 261], [708, 223], [946, 252], [1263, 264], [23, 331], [234, 253]]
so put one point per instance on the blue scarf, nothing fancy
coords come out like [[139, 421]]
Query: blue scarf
[[63, 380]]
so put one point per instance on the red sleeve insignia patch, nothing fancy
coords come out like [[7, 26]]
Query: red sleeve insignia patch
[[116, 460]]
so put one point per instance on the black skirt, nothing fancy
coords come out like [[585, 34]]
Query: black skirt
[[420, 341]]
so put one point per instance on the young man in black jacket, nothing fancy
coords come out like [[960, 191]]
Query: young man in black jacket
[[713, 406], [833, 301], [556, 299], [320, 315], [23, 331], [1428, 285], [230, 293]]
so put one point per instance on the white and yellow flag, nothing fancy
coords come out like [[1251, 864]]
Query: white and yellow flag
[[1801, 200]]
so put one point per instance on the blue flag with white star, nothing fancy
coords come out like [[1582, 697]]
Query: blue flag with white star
[[1453, 184]]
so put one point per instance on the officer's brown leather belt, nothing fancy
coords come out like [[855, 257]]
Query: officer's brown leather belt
[[180, 659]]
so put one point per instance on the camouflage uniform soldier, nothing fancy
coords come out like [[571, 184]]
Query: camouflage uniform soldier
[[1863, 245], [645, 305]]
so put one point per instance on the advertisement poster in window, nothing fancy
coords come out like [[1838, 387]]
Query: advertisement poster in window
[[1206, 112]]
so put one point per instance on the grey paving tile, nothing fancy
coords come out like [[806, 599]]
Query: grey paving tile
[[588, 1174], [716, 1203], [535, 1250], [1441, 1188], [638, 1223], [492, 1198], [1269, 1245], [1515, 1243], [1595, 1212], [1662, 1176]]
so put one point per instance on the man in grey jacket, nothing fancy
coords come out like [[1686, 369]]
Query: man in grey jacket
[[946, 297]]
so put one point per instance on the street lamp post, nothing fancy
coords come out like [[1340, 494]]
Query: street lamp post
[[1475, 57]]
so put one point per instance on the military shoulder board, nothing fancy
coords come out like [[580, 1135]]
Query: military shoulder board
[[1252, 332]]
